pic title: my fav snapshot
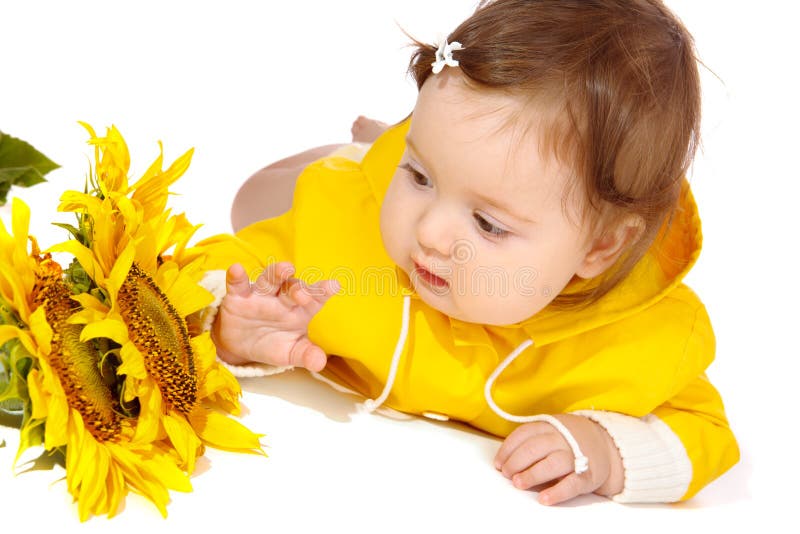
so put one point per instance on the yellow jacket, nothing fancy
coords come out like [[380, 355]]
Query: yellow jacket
[[634, 361]]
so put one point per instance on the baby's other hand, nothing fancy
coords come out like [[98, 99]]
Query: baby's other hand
[[267, 321], [536, 454]]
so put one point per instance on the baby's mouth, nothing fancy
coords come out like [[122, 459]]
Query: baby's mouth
[[428, 277]]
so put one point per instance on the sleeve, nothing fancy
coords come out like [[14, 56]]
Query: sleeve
[[255, 246], [683, 444], [697, 417]]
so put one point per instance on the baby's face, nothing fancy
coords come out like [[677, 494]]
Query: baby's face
[[474, 213]]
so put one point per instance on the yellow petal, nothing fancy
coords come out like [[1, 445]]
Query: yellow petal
[[55, 434], [183, 440], [205, 353], [42, 333], [110, 328], [85, 257], [93, 486], [154, 169], [37, 395], [80, 202], [88, 128], [113, 162], [169, 474], [8, 332], [181, 287], [89, 302], [20, 219], [217, 386], [151, 191], [16, 290], [28, 343], [78, 459], [115, 490], [120, 270], [86, 316], [179, 236], [224, 433], [132, 363], [148, 424], [135, 469]]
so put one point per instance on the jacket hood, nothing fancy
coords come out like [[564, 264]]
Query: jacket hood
[[663, 267], [671, 256]]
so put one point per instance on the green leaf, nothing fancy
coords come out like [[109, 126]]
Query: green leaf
[[20, 165]]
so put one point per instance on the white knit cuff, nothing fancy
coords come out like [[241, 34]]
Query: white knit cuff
[[657, 468], [249, 370], [215, 283]]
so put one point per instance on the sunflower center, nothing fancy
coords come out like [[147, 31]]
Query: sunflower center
[[160, 334], [75, 362]]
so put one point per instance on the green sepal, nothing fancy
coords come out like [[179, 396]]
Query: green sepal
[[16, 364], [31, 434], [8, 315], [73, 231], [77, 279], [20, 165]]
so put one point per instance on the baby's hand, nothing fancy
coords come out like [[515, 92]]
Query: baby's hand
[[267, 321], [536, 454]]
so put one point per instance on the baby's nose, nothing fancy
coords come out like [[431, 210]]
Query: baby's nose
[[437, 231]]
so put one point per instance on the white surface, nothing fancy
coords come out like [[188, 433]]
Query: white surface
[[247, 83]]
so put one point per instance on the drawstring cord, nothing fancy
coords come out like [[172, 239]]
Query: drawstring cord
[[581, 461], [372, 404]]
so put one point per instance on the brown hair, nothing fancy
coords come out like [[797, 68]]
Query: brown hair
[[625, 75]]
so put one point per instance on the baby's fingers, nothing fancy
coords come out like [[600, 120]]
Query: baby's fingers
[[313, 296], [323, 290], [554, 466], [236, 281], [567, 488], [306, 354], [521, 435], [536, 450], [273, 276]]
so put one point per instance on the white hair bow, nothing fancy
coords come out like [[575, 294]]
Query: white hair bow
[[444, 56]]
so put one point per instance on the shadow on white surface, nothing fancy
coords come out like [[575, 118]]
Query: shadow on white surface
[[299, 388]]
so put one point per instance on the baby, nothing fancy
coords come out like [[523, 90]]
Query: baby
[[516, 246]]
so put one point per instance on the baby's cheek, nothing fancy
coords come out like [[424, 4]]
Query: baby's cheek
[[392, 228], [508, 296]]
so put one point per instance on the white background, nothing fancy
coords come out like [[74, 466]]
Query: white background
[[246, 83]]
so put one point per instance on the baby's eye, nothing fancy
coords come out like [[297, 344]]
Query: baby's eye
[[489, 228], [418, 178]]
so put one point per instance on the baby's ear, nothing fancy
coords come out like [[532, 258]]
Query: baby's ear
[[605, 250]]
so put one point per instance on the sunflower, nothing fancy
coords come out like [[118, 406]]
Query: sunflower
[[101, 355], [70, 407], [144, 297], [175, 377]]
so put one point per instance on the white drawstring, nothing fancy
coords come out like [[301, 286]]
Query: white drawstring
[[581, 461], [372, 404]]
